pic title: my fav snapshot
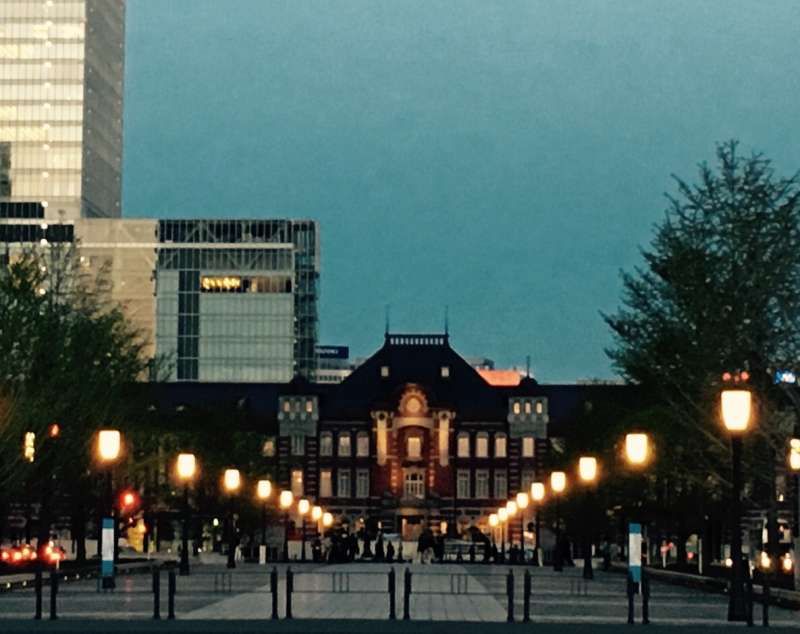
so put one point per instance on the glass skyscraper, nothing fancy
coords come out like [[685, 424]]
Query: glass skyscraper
[[61, 92]]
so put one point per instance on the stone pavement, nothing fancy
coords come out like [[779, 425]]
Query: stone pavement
[[335, 593]]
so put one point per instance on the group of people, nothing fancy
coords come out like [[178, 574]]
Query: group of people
[[342, 546]]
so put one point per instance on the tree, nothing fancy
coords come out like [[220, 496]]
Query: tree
[[719, 291], [70, 358]]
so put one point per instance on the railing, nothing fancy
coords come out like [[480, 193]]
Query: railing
[[341, 583]]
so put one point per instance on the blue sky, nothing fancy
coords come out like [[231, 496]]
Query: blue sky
[[504, 158]]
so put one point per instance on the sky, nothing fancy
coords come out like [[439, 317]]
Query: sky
[[505, 159]]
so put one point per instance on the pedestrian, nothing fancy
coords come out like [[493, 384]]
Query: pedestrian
[[389, 552]]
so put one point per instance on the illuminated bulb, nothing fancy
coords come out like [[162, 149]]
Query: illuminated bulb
[[637, 448], [286, 499], [522, 501], [511, 508], [502, 514], [109, 443], [263, 489], [232, 480], [493, 521], [537, 491], [736, 406], [558, 481], [185, 465], [316, 513], [587, 468]]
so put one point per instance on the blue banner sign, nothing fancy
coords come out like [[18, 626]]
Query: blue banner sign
[[107, 554], [635, 552]]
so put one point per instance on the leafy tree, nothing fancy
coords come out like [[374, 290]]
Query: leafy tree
[[719, 291], [70, 358]]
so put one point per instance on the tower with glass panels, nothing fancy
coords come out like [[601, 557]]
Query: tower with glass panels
[[61, 93], [236, 300]]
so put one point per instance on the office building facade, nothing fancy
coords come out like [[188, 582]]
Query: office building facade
[[61, 103]]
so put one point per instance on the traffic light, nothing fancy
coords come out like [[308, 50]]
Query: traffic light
[[54, 430], [128, 501]]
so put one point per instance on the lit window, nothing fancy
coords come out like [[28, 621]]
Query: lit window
[[268, 448], [527, 478], [326, 444], [527, 407], [344, 444], [539, 407], [482, 445], [309, 406], [527, 447], [500, 446], [482, 484], [414, 485], [384, 371], [516, 407], [297, 482], [445, 371], [325, 488], [343, 483], [462, 487], [362, 444], [463, 445], [298, 445], [287, 406], [500, 485], [413, 447], [362, 483]]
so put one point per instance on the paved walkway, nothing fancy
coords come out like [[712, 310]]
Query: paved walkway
[[463, 593]]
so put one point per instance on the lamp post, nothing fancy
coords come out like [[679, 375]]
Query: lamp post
[[587, 471], [109, 447], [558, 482], [522, 503], [316, 517], [327, 520], [185, 467], [537, 496], [511, 511], [303, 507], [735, 406], [502, 516], [263, 492], [286, 500], [794, 466], [493, 522], [232, 481]]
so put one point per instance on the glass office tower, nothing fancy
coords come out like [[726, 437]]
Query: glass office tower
[[236, 300], [61, 90]]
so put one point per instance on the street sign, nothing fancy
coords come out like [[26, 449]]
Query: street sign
[[635, 552], [107, 565]]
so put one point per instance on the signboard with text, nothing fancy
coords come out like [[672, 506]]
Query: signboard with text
[[635, 552]]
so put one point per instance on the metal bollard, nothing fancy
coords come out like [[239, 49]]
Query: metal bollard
[[631, 592], [156, 594], [645, 598], [273, 586], [392, 610], [765, 595], [38, 584], [171, 596], [53, 595], [289, 589], [526, 591], [510, 592], [407, 595]]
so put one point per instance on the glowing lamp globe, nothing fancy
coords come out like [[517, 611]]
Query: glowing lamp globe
[[327, 520], [736, 406], [587, 468], [303, 506], [263, 489], [537, 491], [522, 501], [186, 466], [316, 513], [502, 514], [286, 499], [109, 444], [558, 481], [493, 521], [232, 480], [511, 508], [637, 448]]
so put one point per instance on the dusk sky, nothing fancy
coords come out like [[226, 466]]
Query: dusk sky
[[504, 158]]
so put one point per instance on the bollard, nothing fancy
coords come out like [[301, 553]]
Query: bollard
[[273, 586], [407, 595], [765, 594], [631, 592], [392, 611], [171, 596], [53, 595], [156, 594], [38, 583], [526, 591], [510, 592], [645, 598], [289, 589]]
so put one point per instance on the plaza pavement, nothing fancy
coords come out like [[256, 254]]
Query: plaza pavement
[[326, 594]]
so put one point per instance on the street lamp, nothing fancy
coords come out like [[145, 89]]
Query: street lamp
[[558, 482], [263, 492], [185, 467], [303, 507], [522, 504], [327, 520], [286, 500], [502, 516], [537, 497], [794, 466], [493, 522], [232, 481], [637, 449], [587, 471], [316, 517], [735, 406], [109, 447]]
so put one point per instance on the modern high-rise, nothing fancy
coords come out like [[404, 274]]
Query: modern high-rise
[[61, 93]]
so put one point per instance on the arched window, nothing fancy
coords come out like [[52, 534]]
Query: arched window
[[482, 445], [326, 444], [500, 446], [362, 444], [344, 444], [463, 445]]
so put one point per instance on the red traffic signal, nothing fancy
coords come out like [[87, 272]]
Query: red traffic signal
[[128, 501]]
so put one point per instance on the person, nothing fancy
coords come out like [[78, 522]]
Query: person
[[400, 559], [389, 552], [316, 550], [379, 554]]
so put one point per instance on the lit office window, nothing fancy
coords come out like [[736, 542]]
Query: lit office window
[[500, 446], [463, 445], [297, 482], [362, 444], [344, 444], [482, 445], [343, 483], [462, 484]]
